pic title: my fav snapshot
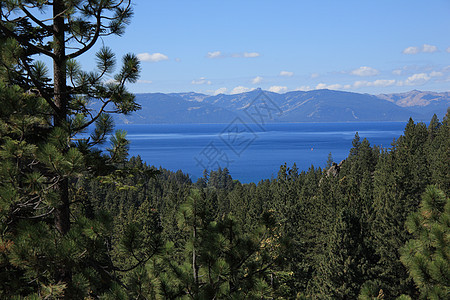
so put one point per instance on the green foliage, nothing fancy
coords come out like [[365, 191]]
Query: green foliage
[[344, 268], [427, 255], [399, 180], [371, 290], [333, 233], [322, 226], [214, 260], [54, 242]]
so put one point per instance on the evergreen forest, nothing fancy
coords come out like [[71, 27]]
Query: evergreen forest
[[77, 222]]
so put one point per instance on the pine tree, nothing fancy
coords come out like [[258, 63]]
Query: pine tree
[[217, 260], [53, 244], [75, 25], [329, 161], [401, 176], [342, 254], [427, 254], [342, 271], [439, 152]]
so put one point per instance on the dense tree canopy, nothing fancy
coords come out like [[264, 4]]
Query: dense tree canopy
[[427, 255], [52, 240], [340, 232], [78, 222]]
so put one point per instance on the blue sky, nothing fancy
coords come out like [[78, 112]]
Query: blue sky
[[365, 46]]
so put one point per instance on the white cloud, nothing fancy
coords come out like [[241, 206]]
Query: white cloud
[[250, 54], [448, 50], [152, 57], [278, 89], [220, 91], [436, 74], [365, 71], [397, 72], [358, 84], [384, 82], [214, 54], [286, 73], [424, 49], [335, 86], [241, 89], [429, 48], [202, 80], [177, 59], [411, 50], [219, 54], [111, 80], [416, 79], [315, 75], [303, 88], [355, 85], [144, 81], [245, 54], [376, 83], [257, 80]]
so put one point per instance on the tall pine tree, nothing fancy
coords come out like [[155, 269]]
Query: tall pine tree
[[52, 242], [427, 254]]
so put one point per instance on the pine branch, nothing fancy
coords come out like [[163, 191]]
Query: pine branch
[[87, 124], [92, 42], [36, 20], [25, 42], [39, 216], [140, 262], [39, 87]]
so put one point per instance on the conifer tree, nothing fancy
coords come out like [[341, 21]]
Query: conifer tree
[[344, 267], [72, 29], [217, 260], [439, 152], [52, 243], [401, 176], [427, 254]]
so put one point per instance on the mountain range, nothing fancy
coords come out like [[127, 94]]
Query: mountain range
[[297, 106]]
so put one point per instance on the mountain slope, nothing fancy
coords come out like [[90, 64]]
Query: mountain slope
[[297, 106], [421, 102], [335, 106], [163, 108]]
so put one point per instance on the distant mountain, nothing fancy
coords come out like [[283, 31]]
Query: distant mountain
[[298, 106], [426, 103], [165, 108], [416, 98], [335, 106]]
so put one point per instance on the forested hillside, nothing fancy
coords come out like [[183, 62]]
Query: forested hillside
[[336, 233], [77, 222]]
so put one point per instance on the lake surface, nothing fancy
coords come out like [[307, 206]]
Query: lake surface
[[251, 152]]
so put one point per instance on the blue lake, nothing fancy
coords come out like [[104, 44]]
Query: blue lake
[[251, 152]]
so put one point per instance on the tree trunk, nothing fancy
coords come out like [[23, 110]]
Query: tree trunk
[[62, 212], [194, 254], [194, 265]]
